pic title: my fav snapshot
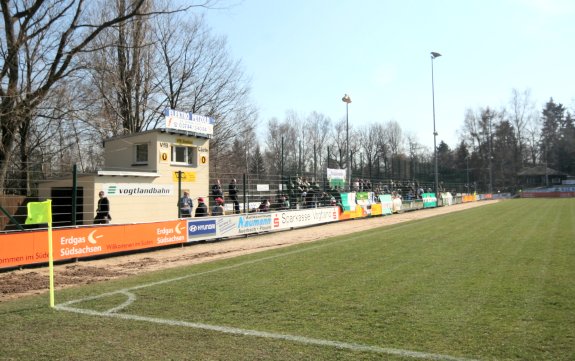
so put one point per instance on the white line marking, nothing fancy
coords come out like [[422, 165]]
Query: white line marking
[[169, 280], [113, 312], [131, 299], [271, 335]]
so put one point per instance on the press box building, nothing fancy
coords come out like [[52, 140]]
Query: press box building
[[142, 174]]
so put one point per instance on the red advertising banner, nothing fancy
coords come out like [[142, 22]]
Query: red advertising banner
[[547, 194]]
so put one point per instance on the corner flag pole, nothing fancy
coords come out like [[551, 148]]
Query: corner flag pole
[[50, 253], [39, 213]]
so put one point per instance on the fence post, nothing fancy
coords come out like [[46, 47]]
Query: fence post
[[74, 192], [245, 196], [179, 193]]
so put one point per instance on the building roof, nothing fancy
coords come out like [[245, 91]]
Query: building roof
[[128, 173], [539, 170], [161, 130]]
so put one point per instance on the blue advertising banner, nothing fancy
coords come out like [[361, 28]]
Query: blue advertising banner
[[201, 228]]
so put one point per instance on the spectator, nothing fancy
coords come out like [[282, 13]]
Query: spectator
[[309, 200], [218, 208], [233, 193], [367, 185], [410, 195], [202, 210], [217, 190], [284, 203], [336, 203], [264, 206], [103, 210], [355, 185], [186, 204], [420, 192]]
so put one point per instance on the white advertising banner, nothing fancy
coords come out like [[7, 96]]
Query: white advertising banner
[[137, 189], [207, 228], [304, 217], [189, 122], [263, 187], [336, 173]]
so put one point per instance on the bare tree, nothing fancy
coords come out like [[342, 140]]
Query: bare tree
[[121, 71], [296, 138], [58, 31], [369, 136], [393, 137], [416, 153], [338, 143], [521, 113], [318, 129], [472, 128], [280, 137], [197, 74]]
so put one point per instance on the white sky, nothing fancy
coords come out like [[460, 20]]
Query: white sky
[[304, 55]]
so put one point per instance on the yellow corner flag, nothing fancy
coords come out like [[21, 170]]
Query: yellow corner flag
[[41, 212]]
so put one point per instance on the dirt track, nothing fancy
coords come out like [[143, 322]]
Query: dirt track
[[19, 283]]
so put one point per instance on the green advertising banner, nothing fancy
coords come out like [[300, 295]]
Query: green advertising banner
[[336, 178], [429, 200], [386, 203], [362, 196], [339, 183], [348, 201]]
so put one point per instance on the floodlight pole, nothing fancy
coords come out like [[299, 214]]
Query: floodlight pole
[[346, 99], [468, 185], [433, 56], [490, 159]]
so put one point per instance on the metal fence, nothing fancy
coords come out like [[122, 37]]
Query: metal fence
[[71, 207]]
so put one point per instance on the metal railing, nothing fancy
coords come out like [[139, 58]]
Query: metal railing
[[71, 207]]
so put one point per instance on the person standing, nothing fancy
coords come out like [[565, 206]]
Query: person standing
[[103, 210], [233, 193], [202, 210], [186, 204], [218, 209], [217, 190]]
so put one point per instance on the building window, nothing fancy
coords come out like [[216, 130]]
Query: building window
[[184, 155], [141, 153]]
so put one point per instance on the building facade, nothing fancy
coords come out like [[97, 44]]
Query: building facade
[[143, 176]]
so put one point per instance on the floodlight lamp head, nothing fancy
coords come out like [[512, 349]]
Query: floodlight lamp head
[[435, 55], [346, 99]]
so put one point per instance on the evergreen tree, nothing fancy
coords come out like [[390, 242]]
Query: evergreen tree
[[553, 117], [257, 164], [566, 146], [506, 162], [461, 162]]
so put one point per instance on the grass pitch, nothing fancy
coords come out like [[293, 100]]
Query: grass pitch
[[491, 283]]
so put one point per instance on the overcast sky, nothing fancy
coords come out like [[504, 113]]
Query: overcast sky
[[304, 55]]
